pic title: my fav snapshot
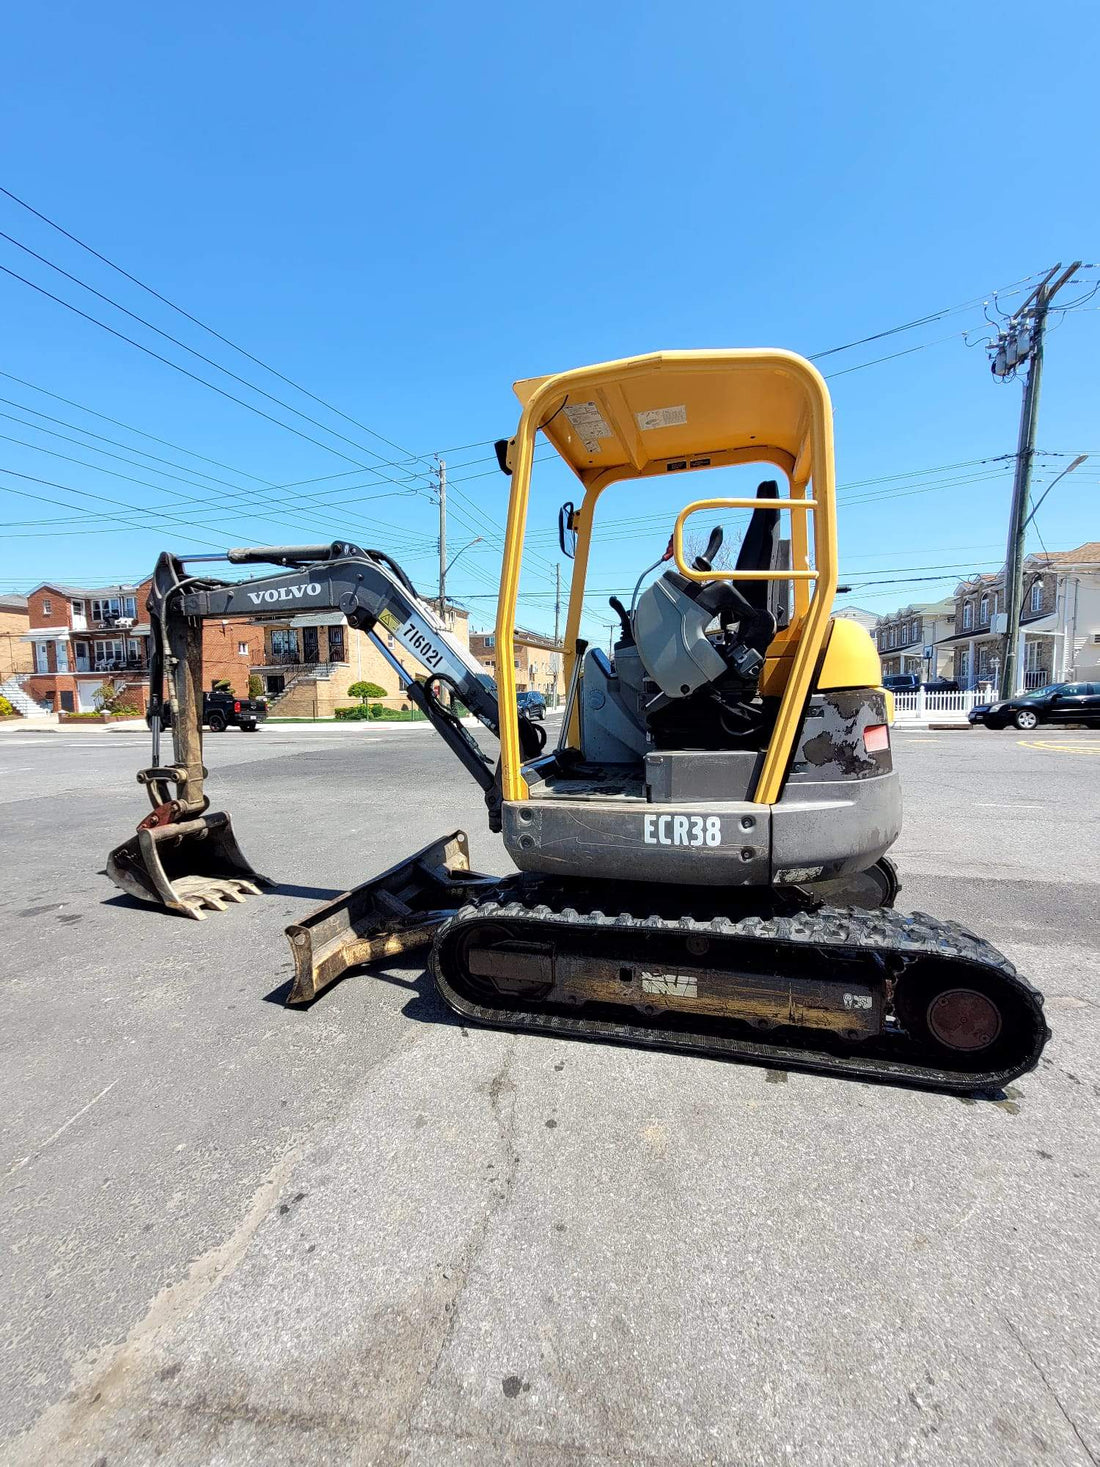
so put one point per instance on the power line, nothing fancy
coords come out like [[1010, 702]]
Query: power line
[[368, 468], [164, 442], [922, 320], [251, 508], [203, 325], [210, 362], [239, 494]]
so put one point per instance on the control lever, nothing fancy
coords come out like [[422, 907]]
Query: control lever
[[627, 638], [705, 561]]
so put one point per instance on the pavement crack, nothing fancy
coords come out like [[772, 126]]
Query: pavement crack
[[1041, 1373], [104, 1379], [502, 1103]]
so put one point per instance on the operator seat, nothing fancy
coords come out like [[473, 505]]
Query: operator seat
[[720, 712]]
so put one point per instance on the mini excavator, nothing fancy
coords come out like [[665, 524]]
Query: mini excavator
[[701, 860]]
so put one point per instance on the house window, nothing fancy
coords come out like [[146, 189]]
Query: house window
[[109, 654], [968, 615], [107, 608], [242, 649], [284, 643], [983, 611], [1036, 602], [490, 641], [47, 607], [78, 608]]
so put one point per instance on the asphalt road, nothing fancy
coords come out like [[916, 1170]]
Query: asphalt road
[[363, 1233]]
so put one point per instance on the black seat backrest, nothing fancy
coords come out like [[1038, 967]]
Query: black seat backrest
[[759, 546]]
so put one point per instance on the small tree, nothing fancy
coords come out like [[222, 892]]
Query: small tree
[[255, 686], [363, 691], [221, 685]]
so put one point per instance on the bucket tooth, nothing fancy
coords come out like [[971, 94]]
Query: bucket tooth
[[189, 866]]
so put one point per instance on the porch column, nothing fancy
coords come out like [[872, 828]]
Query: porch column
[[1021, 665], [971, 665]]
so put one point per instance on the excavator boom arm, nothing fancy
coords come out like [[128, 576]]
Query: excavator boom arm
[[375, 596]]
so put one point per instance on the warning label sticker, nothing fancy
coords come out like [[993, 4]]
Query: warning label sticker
[[387, 618], [666, 417], [589, 424]]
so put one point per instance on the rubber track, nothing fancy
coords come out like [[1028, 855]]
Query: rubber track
[[881, 931]]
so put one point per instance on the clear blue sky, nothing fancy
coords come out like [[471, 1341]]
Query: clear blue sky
[[405, 208]]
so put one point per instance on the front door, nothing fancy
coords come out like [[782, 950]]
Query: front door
[[41, 657], [336, 644], [309, 644]]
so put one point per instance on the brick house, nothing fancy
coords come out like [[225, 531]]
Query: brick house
[[308, 662], [1059, 623], [538, 662], [902, 636], [15, 653], [79, 637]]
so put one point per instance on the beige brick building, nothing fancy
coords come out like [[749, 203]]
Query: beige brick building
[[307, 663], [15, 653], [538, 662]]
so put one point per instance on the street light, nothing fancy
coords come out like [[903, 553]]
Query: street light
[[475, 541], [443, 575], [1077, 462]]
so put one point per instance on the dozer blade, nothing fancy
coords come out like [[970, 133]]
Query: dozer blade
[[392, 914], [193, 867]]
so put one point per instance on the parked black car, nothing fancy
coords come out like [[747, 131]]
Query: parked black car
[[225, 710], [1056, 703], [531, 705], [942, 685]]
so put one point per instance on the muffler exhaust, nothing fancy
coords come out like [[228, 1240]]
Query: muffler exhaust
[[193, 867]]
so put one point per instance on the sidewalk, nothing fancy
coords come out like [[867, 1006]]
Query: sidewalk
[[48, 723]]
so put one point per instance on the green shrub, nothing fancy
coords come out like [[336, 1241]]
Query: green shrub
[[377, 712], [6, 710], [255, 685], [221, 685], [363, 691]]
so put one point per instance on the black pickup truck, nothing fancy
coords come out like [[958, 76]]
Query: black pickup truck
[[225, 710]]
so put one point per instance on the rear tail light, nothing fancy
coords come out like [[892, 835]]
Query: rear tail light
[[876, 738], [236, 707]]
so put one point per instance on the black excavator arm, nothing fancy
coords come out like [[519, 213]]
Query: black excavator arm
[[185, 857], [370, 590]]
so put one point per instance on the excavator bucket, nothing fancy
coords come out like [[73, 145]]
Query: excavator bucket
[[193, 867], [383, 918]]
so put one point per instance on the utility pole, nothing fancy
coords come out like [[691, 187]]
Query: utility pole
[[442, 472], [1022, 341]]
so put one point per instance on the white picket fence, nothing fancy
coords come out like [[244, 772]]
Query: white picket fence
[[950, 707]]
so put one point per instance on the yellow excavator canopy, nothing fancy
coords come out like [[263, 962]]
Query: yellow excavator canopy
[[657, 413]]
